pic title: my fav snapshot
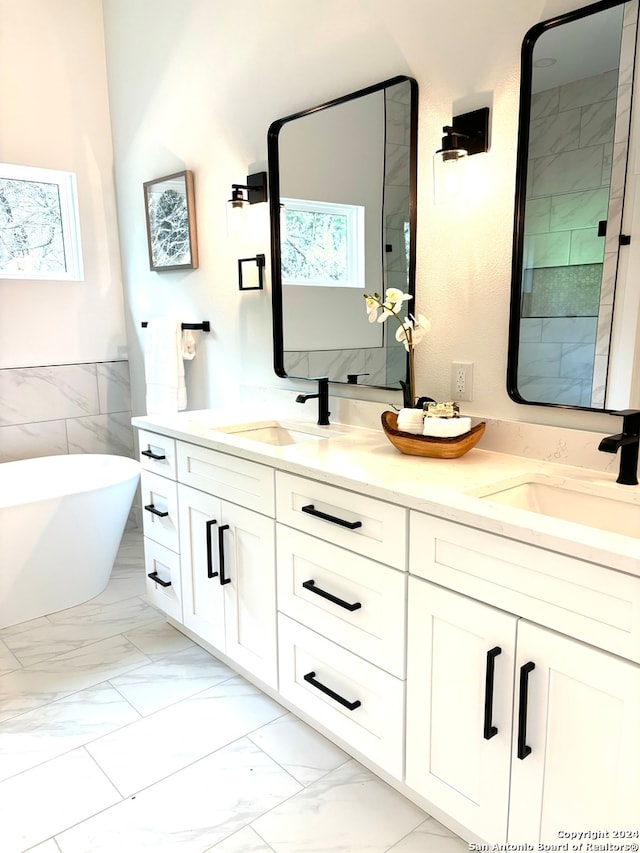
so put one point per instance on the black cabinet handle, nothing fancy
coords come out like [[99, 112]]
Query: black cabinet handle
[[151, 454], [523, 749], [154, 577], [311, 510], [489, 729], [210, 572], [152, 509], [221, 530], [351, 706], [311, 586]]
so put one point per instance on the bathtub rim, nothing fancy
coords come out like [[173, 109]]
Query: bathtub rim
[[19, 493]]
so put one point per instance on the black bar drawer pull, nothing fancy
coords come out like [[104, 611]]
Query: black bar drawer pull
[[311, 586], [221, 530], [311, 510], [154, 577], [523, 749], [210, 572], [489, 729], [151, 454], [151, 508], [351, 706]]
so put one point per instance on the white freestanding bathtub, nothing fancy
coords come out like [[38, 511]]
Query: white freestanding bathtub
[[61, 521]]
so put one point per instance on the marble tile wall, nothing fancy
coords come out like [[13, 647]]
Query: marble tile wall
[[375, 366], [555, 361], [572, 136], [66, 408]]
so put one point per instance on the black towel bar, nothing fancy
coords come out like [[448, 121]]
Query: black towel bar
[[205, 326]]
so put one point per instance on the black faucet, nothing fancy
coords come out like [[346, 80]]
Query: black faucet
[[627, 442], [323, 401]]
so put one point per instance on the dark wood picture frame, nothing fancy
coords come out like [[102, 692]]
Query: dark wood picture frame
[[169, 204]]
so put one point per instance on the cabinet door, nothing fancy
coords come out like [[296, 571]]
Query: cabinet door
[[202, 595], [458, 716], [249, 583], [581, 727]]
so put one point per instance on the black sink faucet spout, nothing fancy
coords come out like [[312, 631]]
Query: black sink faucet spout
[[323, 401], [627, 442]]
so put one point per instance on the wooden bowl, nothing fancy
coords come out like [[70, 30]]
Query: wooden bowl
[[424, 445]]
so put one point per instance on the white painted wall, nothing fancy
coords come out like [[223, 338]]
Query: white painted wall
[[196, 83], [54, 113]]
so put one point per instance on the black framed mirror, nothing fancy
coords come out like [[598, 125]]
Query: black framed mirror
[[572, 341], [342, 189]]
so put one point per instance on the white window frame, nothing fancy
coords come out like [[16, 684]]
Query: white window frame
[[69, 220], [355, 241]]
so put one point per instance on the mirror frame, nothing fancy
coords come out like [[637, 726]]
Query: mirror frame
[[274, 211], [524, 121]]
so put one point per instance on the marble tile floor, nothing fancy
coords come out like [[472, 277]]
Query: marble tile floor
[[117, 733]]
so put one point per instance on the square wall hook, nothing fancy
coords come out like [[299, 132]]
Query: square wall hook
[[259, 261]]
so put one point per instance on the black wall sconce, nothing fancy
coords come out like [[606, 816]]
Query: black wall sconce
[[243, 195], [259, 261], [467, 134], [253, 192]]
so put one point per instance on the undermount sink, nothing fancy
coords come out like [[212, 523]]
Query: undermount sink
[[278, 433], [595, 505]]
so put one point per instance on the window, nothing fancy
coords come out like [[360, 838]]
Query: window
[[39, 228], [322, 243]]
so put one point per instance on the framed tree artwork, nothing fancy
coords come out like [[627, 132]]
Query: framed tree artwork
[[171, 222]]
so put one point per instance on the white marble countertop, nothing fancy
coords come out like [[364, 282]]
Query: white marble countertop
[[362, 459]]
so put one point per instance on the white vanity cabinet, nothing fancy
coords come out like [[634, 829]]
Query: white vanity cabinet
[[459, 722], [495, 681], [228, 556], [160, 522], [342, 614], [517, 731], [228, 580]]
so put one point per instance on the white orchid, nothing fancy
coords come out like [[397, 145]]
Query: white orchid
[[413, 330], [392, 304], [372, 308], [410, 331]]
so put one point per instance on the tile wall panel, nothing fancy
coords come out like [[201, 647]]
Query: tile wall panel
[[67, 408]]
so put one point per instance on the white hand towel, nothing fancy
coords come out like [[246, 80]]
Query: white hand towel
[[164, 366], [188, 345]]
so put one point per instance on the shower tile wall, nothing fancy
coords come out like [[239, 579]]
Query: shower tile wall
[[67, 408]]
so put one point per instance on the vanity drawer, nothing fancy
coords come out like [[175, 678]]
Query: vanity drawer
[[240, 481], [160, 509], [165, 565], [590, 602], [368, 526], [157, 453], [375, 726], [366, 608]]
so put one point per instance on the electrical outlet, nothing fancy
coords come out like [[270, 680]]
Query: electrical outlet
[[462, 381]]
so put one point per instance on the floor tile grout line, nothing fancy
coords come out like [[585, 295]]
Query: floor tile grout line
[[76, 648], [282, 766], [171, 704], [108, 681], [191, 764], [406, 835], [92, 740], [71, 692]]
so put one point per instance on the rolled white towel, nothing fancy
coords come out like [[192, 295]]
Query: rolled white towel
[[446, 427], [411, 420]]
